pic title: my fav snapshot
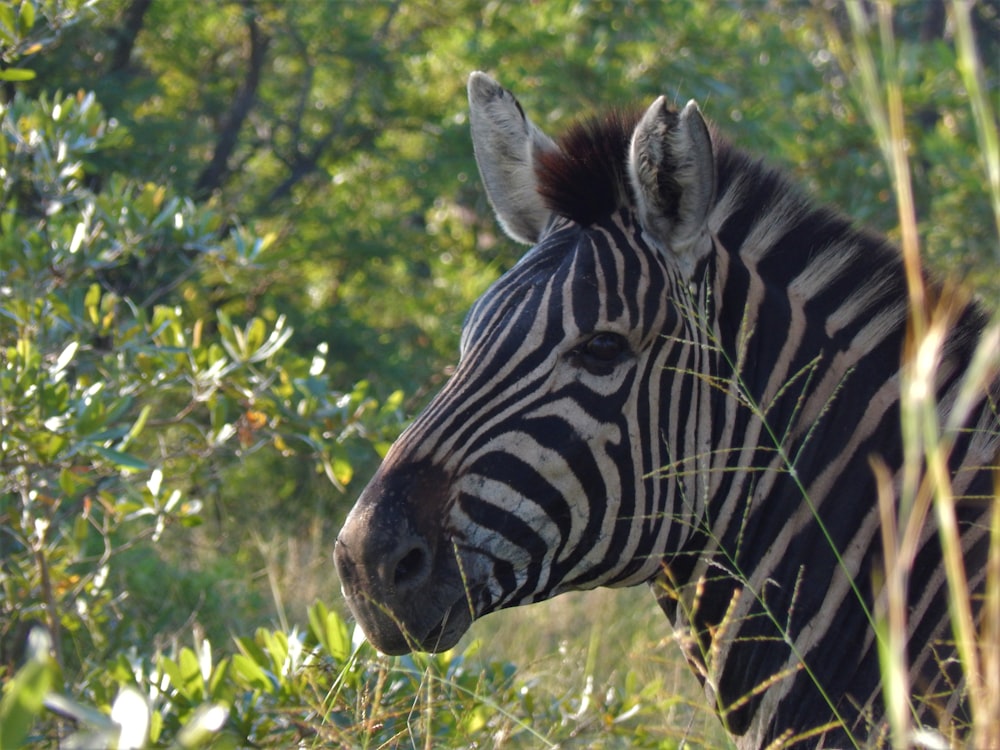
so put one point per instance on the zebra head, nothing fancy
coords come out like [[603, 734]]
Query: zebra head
[[684, 381], [532, 471]]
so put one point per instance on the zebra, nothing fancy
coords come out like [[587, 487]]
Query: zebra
[[682, 383]]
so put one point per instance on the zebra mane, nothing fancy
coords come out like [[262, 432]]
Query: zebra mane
[[760, 214], [586, 179]]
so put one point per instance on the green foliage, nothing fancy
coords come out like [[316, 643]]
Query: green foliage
[[323, 688], [114, 405], [24, 694]]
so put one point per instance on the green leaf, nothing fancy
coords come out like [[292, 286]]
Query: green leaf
[[276, 645], [92, 303], [7, 21], [190, 672], [117, 408], [120, 459], [251, 673], [393, 403], [137, 426], [16, 74], [206, 721], [331, 631], [219, 684], [342, 470], [49, 446], [23, 698], [26, 18], [256, 332], [167, 666], [81, 529], [155, 726]]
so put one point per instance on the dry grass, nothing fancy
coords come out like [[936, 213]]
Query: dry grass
[[608, 640], [926, 490]]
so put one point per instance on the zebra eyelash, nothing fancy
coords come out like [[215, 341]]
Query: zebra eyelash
[[601, 352]]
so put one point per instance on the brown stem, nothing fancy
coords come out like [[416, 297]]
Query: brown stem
[[217, 170], [51, 612]]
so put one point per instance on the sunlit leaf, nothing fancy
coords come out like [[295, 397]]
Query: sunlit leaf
[[131, 712], [26, 17], [251, 673], [332, 632], [205, 722], [17, 74], [65, 357]]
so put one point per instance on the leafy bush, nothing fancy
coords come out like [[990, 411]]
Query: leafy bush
[[114, 409], [117, 401], [319, 688]]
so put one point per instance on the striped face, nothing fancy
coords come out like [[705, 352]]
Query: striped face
[[532, 472], [521, 479], [539, 425]]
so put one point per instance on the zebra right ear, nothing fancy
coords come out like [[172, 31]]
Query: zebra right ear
[[672, 169], [506, 143]]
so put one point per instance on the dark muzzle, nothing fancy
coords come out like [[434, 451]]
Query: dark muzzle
[[398, 568]]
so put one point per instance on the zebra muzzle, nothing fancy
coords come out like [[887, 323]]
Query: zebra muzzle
[[399, 575]]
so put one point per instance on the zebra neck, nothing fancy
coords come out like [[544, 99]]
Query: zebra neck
[[775, 374]]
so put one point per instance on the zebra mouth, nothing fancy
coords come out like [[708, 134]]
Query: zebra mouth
[[425, 606], [449, 631], [403, 574], [417, 627]]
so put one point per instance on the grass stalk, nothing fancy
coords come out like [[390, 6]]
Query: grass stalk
[[926, 487], [988, 733], [890, 622]]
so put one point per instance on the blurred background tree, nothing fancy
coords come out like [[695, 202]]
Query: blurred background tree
[[238, 239]]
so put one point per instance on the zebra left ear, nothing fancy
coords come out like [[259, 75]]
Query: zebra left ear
[[672, 169], [507, 144]]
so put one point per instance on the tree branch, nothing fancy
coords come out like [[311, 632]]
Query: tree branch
[[306, 161], [125, 37], [217, 169]]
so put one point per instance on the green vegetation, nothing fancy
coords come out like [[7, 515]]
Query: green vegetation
[[237, 240]]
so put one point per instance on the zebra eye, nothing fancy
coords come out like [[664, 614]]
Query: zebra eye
[[602, 351]]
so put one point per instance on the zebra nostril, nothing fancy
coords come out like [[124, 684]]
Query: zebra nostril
[[412, 568]]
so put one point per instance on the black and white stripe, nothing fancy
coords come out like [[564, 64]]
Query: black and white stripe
[[683, 383]]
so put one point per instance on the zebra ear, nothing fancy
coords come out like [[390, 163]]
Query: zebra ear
[[506, 143], [672, 169]]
